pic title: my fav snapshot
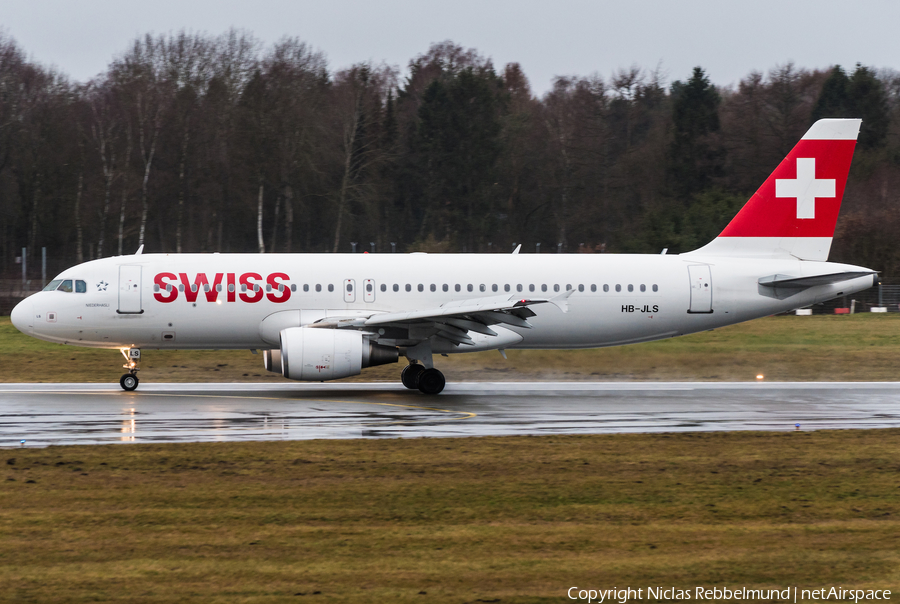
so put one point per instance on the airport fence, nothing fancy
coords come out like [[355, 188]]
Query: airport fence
[[880, 296]]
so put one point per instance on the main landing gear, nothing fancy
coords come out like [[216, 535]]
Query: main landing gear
[[130, 380], [427, 381]]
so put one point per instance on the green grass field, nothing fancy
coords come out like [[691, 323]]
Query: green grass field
[[516, 519], [861, 347]]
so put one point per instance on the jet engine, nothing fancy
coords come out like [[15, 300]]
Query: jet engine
[[318, 354]]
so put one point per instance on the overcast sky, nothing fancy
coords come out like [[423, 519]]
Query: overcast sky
[[548, 38]]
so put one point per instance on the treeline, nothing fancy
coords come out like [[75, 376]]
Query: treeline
[[195, 143]]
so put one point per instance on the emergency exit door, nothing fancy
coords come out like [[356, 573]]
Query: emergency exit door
[[369, 290], [701, 288], [349, 290], [130, 290]]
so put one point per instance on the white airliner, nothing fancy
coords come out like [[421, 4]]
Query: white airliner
[[327, 316]]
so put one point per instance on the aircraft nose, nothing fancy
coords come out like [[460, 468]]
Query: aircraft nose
[[22, 316]]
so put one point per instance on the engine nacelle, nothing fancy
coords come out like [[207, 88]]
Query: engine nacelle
[[316, 354]]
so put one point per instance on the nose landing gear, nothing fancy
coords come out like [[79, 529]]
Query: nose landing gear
[[130, 380]]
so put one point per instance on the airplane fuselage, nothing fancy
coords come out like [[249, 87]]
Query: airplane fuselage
[[242, 301]]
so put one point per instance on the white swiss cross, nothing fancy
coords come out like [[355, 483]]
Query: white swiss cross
[[806, 187]]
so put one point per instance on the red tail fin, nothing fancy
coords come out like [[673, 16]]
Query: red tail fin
[[795, 211]]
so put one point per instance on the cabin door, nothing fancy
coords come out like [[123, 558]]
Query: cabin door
[[130, 290], [701, 288]]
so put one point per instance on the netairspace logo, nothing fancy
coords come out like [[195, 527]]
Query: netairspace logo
[[788, 594]]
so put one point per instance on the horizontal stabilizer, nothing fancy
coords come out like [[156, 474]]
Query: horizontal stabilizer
[[788, 282]]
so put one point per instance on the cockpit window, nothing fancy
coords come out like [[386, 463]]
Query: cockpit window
[[65, 286], [52, 285], [80, 287]]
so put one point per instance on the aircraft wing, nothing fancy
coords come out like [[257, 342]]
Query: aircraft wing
[[453, 320]]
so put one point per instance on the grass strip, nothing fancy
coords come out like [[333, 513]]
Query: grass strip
[[503, 519]]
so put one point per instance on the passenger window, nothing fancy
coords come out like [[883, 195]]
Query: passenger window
[[519, 287], [318, 287], [219, 287], [80, 287], [643, 287], [433, 287], [506, 287], [568, 287], [469, 287], [306, 287], [531, 287], [618, 287], [66, 286], [556, 287], [368, 287], [421, 287], [655, 288], [408, 287], [194, 287], [331, 287], [543, 287], [293, 287], [445, 287], [349, 287], [593, 287], [181, 287], [243, 287], [630, 287], [156, 287], [51, 287], [581, 287], [482, 287], [396, 287], [457, 287], [383, 287], [494, 287]]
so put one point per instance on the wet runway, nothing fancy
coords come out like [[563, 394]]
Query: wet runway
[[46, 414]]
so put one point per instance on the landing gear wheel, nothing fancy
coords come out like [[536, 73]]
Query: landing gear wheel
[[410, 375], [129, 382], [431, 381]]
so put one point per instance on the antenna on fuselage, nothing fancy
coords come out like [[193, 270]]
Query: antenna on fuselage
[[518, 247], [140, 249]]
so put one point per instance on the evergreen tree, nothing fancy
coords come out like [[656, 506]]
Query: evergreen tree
[[834, 100], [861, 95], [693, 158], [459, 138], [868, 100]]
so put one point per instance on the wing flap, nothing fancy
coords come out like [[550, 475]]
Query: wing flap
[[457, 309]]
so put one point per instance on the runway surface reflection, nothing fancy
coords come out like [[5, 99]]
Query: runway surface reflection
[[48, 414]]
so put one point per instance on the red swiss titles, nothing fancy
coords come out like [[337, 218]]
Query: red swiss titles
[[251, 285]]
